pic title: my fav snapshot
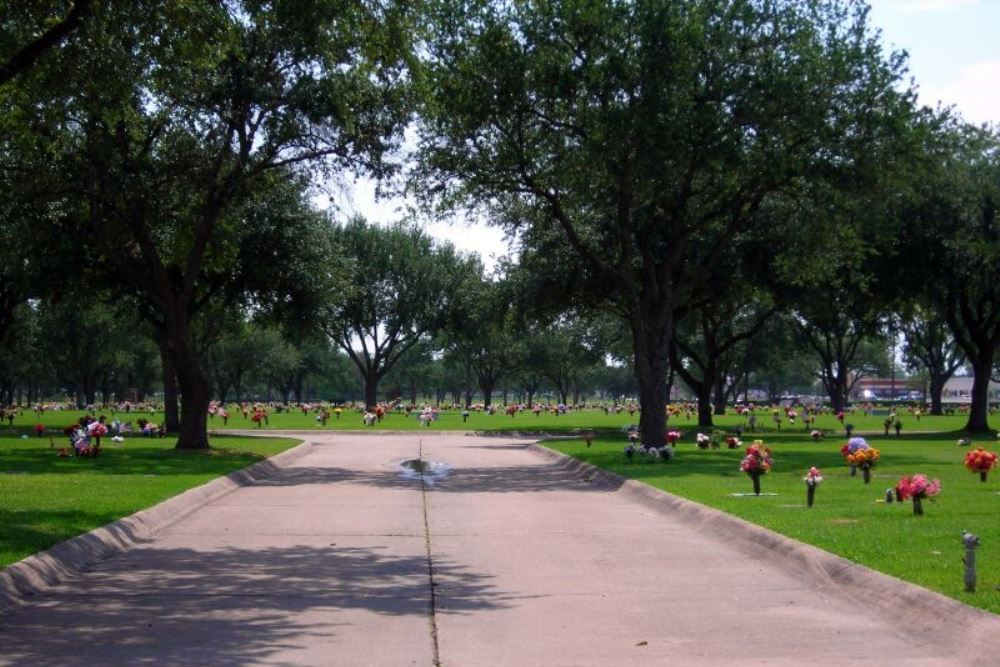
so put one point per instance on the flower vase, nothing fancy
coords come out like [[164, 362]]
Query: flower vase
[[982, 475], [854, 471], [756, 484], [918, 507], [810, 494], [867, 473]]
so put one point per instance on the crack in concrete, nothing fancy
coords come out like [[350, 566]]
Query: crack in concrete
[[430, 561]]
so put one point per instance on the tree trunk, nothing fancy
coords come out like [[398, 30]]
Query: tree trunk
[[371, 391], [171, 415], [936, 389], [487, 389], [979, 410], [194, 389], [651, 370], [704, 394], [719, 397], [837, 390]]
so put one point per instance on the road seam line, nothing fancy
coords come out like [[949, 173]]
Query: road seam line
[[430, 559]]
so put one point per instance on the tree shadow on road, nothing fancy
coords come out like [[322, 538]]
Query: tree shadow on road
[[231, 606], [534, 478]]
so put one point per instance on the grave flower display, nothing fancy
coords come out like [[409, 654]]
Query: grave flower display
[[981, 461], [97, 430], [812, 479], [917, 487], [672, 436], [756, 463], [853, 446], [733, 442], [816, 434], [865, 459], [703, 441], [39, 429]]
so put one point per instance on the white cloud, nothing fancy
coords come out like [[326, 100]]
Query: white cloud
[[975, 92]]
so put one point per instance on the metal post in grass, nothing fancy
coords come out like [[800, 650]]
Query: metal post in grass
[[971, 544]]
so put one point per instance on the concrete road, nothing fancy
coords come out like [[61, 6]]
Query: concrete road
[[508, 560]]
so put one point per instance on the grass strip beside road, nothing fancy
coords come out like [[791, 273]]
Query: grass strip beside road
[[45, 499]]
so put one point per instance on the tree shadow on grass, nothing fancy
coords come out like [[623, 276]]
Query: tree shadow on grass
[[236, 606], [28, 531], [129, 460]]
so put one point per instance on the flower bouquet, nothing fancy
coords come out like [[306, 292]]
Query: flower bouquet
[[39, 429], [733, 442], [917, 487], [865, 459], [673, 436], [981, 461], [816, 434], [813, 479], [757, 462], [853, 446], [97, 430], [703, 441], [964, 442]]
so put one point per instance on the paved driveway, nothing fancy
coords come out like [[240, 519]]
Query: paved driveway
[[508, 560]]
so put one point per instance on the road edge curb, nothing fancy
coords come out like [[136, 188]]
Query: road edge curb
[[919, 611], [21, 581]]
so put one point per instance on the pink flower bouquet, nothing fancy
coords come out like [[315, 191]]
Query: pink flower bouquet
[[917, 487]]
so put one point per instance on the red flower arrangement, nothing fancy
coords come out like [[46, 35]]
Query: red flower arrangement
[[39, 429], [671, 437], [981, 461], [757, 462], [917, 487]]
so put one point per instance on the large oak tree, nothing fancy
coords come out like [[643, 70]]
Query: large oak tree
[[181, 118], [636, 140]]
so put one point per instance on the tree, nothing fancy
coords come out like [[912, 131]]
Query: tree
[[401, 285], [240, 349], [184, 116], [568, 351], [710, 344], [836, 323], [632, 142], [930, 347], [955, 228]]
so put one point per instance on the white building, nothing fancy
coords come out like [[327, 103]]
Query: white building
[[959, 390]]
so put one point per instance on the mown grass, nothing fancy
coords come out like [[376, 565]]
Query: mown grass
[[451, 420], [849, 518], [45, 499]]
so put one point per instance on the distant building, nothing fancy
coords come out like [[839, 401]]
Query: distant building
[[882, 389], [959, 390]]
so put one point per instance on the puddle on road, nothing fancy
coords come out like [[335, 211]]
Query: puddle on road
[[429, 471]]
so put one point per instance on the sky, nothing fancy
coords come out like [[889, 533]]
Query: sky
[[954, 60]]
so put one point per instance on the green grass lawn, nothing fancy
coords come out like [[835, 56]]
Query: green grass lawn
[[45, 499], [849, 518], [478, 421]]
